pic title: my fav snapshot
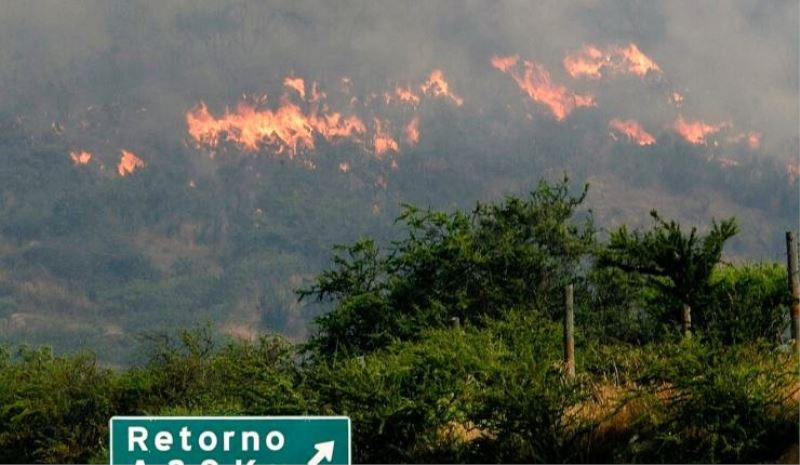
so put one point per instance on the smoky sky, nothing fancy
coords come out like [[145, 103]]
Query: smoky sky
[[733, 60]]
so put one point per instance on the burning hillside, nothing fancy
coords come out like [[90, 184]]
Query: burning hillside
[[534, 80], [297, 123], [592, 62]]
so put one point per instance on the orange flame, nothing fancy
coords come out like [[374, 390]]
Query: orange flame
[[587, 62], [695, 132], [540, 88], [438, 87], [344, 167], [296, 83], [637, 62], [297, 124], [412, 131], [632, 129], [591, 62], [80, 158], [129, 163], [383, 140], [316, 94], [505, 64], [287, 128], [405, 94]]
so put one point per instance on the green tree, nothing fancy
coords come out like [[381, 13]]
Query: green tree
[[515, 254], [678, 264]]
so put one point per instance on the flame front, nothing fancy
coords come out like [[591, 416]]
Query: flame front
[[383, 140], [632, 129], [287, 128], [588, 62], [591, 62], [505, 64], [128, 163], [695, 132], [637, 62], [537, 84], [297, 84], [80, 158], [412, 131], [295, 126], [405, 94], [438, 87]]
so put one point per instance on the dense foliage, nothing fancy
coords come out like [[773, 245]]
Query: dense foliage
[[445, 346], [517, 254]]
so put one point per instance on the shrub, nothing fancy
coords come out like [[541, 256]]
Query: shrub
[[718, 404], [748, 302]]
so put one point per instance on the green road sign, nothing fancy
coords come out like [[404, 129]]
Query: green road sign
[[229, 440]]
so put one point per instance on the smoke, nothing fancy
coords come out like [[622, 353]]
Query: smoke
[[129, 69], [732, 60], [106, 85]]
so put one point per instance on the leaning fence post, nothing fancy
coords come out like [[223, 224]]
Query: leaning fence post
[[794, 286], [569, 331]]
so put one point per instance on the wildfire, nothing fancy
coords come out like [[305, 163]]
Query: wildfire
[[80, 158], [505, 64], [632, 129], [294, 126], [540, 88], [405, 94], [383, 140], [316, 94], [695, 132], [412, 131], [128, 163], [587, 62], [344, 167], [591, 62], [438, 87], [288, 128], [297, 84]]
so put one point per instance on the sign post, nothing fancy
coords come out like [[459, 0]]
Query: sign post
[[229, 440]]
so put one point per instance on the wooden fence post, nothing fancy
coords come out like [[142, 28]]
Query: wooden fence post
[[794, 286], [569, 331]]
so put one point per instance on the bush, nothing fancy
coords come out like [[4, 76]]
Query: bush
[[748, 302], [716, 404], [52, 409], [191, 374], [404, 399]]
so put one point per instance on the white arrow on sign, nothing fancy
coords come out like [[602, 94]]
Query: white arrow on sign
[[324, 452]]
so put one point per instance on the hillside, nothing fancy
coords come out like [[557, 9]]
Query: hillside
[[164, 165]]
